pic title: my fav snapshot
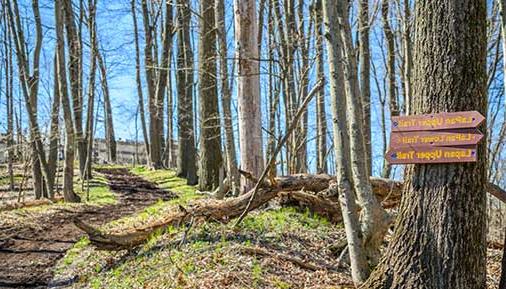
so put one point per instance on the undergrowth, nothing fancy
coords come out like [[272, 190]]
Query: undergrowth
[[207, 255]]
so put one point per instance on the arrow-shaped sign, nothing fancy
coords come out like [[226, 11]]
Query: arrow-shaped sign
[[431, 155], [437, 121], [414, 139]]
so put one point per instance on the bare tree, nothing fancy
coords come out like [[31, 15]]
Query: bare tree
[[210, 132], [248, 90], [68, 168], [139, 81], [186, 156], [29, 82], [365, 72], [230, 152], [359, 267]]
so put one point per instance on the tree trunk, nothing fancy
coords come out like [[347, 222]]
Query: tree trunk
[[392, 98], [248, 90], [75, 77], [68, 168], [231, 156], [9, 82], [110, 138], [359, 268], [91, 87], [365, 82], [139, 83], [54, 135], [321, 116], [151, 64], [374, 219], [210, 131], [30, 86], [186, 155], [441, 225]]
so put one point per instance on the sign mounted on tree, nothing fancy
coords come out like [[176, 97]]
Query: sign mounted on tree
[[435, 138]]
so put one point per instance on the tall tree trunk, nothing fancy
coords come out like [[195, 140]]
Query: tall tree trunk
[[91, 87], [231, 156], [54, 135], [407, 58], [321, 117], [151, 63], [210, 131], [68, 168], [248, 90], [365, 82], [139, 82], [392, 98], [110, 137], [186, 155], [502, 11], [30, 86], [359, 268], [9, 101], [441, 225], [374, 219], [75, 77]]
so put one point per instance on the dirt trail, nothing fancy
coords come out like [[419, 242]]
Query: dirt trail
[[28, 253]]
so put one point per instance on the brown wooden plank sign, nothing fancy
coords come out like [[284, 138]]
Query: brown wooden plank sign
[[435, 138]]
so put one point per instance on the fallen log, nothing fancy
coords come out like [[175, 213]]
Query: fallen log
[[327, 207], [388, 191]]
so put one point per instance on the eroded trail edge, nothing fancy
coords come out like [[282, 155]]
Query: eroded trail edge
[[29, 250]]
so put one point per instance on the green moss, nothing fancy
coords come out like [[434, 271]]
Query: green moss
[[256, 273], [74, 252]]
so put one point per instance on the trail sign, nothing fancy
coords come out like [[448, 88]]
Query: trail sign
[[431, 155], [449, 137], [437, 121], [415, 139]]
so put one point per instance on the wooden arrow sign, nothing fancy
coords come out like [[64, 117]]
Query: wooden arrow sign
[[437, 121], [413, 139], [431, 155]]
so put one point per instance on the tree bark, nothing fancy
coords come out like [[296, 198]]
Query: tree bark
[[374, 219], [321, 116], [139, 82], [91, 87], [359, 268], [441, 225], [210, 131], [248, 90], [365, 82], [68, 168], [231, 156], [392, 98], [186, 155], [75, 77]]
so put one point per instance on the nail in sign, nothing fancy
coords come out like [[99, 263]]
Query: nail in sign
[[414, 139], [431, 155], [437, 121]]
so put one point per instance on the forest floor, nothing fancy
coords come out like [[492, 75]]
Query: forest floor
[[275, 247], [32, 240]]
